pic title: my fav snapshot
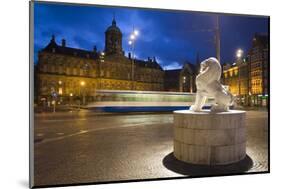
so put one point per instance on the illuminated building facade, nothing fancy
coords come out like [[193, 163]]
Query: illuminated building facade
[[68, 74], [258, 70], [235, 76], [248, 78]]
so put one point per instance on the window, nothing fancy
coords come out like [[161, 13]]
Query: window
[[231, 73], [74, 71], [44, 68], [107, 74], [60, 69], [60, 91], [94, 73], [52, 68]]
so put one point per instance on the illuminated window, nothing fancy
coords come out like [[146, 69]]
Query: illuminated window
[[60, 91], [74, 71], [231, 73], [107, 74]]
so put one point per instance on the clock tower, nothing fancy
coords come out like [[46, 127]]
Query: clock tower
[[113, 39]]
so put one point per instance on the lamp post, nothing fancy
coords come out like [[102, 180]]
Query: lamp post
[[70, 99], [217, 37], [82, 84], [60, 91], [132, 42], [239, 55], [101, 60]]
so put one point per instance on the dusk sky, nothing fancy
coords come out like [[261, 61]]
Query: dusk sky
[[173, 37]]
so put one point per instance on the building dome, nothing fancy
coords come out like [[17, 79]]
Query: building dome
[[113, 27], [113, 39]]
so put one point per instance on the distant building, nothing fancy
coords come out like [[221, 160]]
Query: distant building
[[248, 78], [258, 58], [235, 76], [172, 80], [68, 73], [181, 80]]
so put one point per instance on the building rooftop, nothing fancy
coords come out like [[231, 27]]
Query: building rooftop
[[260, 40], [53, 47], [63, 49]]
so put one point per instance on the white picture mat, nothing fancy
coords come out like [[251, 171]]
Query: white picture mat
[[14, 95]]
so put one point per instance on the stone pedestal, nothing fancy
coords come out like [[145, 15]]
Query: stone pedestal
[[209, 138]]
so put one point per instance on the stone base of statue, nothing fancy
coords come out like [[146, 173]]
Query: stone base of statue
[[209, 138]]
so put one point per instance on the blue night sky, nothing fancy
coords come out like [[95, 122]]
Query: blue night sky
[[173, 37]]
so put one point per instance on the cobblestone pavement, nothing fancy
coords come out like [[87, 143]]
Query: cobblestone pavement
[[84, 147]]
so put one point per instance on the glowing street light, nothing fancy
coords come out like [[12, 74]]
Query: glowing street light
[[82, 83], [132, 36], [136, 32], [132, 42], [239, 53]]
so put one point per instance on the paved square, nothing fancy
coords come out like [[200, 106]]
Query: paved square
[[83, 147]]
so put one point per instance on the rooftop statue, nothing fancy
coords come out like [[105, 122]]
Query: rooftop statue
[[208, 85]]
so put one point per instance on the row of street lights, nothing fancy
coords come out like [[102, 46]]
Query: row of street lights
[[132, 42], [239, 56]]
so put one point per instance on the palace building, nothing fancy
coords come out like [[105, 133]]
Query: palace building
[[67, 73]]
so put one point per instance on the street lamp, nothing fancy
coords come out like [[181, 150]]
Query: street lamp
[[136, 32], [70, 99], [132, 37], [239, 55], [132, 42], [82, 84]]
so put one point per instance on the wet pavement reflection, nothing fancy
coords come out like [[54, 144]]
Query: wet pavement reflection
[[85, 147]]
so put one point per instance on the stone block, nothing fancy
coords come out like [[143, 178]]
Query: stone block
[[209, 138]]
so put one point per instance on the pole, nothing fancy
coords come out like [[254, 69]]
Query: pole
[[239, 90], [79, 97], [133, 48], [218, 39], [191, 84], [54, 110], [133, 44]]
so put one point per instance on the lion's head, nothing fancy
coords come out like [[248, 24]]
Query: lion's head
[[210, 70]]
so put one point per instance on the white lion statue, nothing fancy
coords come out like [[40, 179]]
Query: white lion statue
[[208, 85]]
